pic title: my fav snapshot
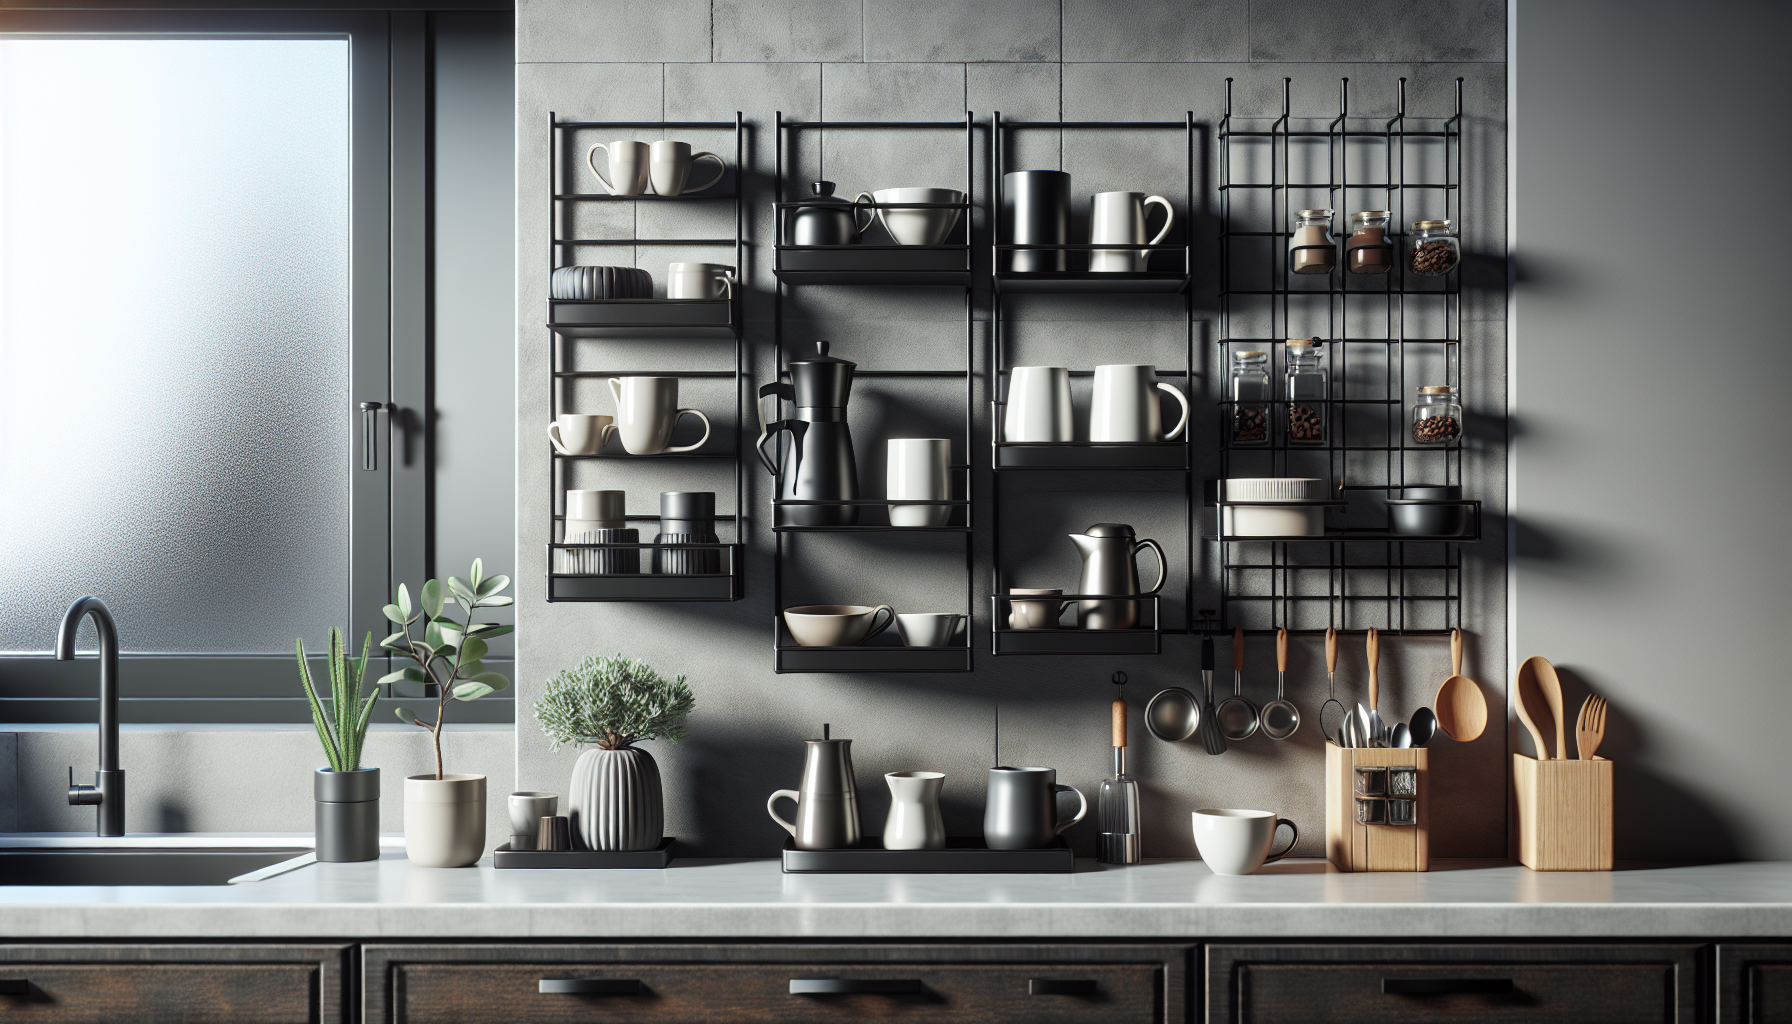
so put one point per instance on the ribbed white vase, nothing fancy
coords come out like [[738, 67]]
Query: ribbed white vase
[[615, 802]]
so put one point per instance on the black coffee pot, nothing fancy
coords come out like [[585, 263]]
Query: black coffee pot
[[819, 464]]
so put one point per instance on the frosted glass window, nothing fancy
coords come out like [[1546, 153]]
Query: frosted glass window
[[174, 339]]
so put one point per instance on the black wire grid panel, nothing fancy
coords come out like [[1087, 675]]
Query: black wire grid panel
[[1357, 576], [947, 264], [1084, 456], [571, 322]]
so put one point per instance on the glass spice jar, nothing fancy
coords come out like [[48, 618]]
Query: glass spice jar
[[1306, 392], [1250, 399], [1436, 416], [1313, 251], [1435, 251], [1368, 249]]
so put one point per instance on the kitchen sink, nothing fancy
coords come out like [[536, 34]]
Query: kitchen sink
[[137, 866]]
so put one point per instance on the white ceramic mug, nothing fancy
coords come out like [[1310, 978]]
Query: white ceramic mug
[[1038, 405], [1120, 217], [628, 163], [699, 281], [528, 808], [1124, 406], [930, 629], [915, 226], [919, 468], [647, 410], [1237, 842], [1040, 612], [670, 165], [604, 507], [578, 433]]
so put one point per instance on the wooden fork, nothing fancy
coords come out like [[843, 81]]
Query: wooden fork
[[1589, 728]]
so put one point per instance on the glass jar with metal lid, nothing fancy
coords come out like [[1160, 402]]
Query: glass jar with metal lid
[[1305, 392], [1368, 249], [1250, 399], [1435, 250], [1312, 251], [1436, 417]]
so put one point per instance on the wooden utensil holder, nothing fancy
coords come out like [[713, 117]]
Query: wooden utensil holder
[[1353, 845], [1564, 814]]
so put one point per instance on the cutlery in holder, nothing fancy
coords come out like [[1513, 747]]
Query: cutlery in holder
[[1377, 812]]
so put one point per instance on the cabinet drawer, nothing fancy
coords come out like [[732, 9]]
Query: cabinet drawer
[[1755, 984], [784, 993], [146, 985], [1471, 984]]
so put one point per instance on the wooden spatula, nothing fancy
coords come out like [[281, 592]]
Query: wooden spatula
[[1589, 728]]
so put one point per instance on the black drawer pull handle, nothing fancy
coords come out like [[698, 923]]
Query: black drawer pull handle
[[1445, 986], [590, 987], [855, 987], [1061, 987], [14, 987]]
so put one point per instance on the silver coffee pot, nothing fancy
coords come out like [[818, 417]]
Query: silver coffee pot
[[1109, 567], [827, 804]]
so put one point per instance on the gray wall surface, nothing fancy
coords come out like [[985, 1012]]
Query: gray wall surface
[[1031, 59], [1648, 464]]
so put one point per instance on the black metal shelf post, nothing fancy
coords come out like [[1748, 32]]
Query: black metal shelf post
[[1266, 589], [1087, 456], [878, 265], [641, 319]]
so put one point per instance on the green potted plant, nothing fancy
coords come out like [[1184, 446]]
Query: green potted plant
[[346, 795], [610, 704], [444, 815]]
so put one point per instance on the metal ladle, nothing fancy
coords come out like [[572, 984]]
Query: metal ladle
[[1172, 715], [1280, 718], [1237, 716]]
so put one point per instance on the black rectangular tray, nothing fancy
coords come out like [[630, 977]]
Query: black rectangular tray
[[659, 857], [642, 318], [963, 855], [1090, 455], [875, 265]]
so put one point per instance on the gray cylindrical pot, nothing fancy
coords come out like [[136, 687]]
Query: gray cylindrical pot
[[348, 814], [615, 802]]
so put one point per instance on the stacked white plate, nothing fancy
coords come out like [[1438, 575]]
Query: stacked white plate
[[600, 283], [1280, 520]]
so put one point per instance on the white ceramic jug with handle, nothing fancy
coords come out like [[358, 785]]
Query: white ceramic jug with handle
[[1120, 217], [1125, 409]]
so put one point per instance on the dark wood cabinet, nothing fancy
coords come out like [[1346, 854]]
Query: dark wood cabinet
[[777, 984], [162, 984], [1461, 984], [1754, 983]]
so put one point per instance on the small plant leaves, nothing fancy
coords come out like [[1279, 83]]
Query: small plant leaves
[[495, 602], [407, 675], [394, 613], [495, 680], [396, 641], [491, 629], [472, 649], [432, 598], [404, 602], [478, 572], [471, 690]]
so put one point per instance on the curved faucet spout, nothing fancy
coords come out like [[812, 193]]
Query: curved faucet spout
[[108, 791]]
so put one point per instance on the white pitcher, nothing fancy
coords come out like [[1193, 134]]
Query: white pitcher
[[914, 822], [1125, 407]]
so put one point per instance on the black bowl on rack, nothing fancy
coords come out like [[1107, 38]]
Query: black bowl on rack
[[1429, 512]]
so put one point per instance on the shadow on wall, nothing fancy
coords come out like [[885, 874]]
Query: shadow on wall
[[1563, 551], [1653, 819]]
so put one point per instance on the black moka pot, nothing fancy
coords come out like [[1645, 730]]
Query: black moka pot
[[818, 463]]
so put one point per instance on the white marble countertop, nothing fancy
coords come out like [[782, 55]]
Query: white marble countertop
[[1171, 900]]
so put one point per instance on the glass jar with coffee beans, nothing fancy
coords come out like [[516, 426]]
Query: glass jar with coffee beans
[[1250, 399], [1312, 251], [1306, 392], [1435, 251], [1368, 248], [1436, 416]]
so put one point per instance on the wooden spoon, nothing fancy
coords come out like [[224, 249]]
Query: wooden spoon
[[1461, 707], [1552, 696], [1533, 706], [1376, 738]]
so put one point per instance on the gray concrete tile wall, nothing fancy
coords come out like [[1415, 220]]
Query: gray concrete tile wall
[[1036, 60]]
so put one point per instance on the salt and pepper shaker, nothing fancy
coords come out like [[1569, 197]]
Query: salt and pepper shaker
[[1118, 803]]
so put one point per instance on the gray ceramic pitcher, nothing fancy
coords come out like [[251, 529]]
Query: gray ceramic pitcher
[[1108, 550], [1021, 808], [827, 805]]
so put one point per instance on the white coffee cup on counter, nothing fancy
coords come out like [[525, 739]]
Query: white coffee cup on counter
[[919, 469], [1038, 406], [628, 163], [1124, 405], [699, 281], [577, 433], [670, 164], [1235, 841], [647, 410]]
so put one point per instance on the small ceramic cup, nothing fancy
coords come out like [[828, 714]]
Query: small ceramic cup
[[1038, 613], [930, 629], [1234, 841], [837, 625], [526, 811]]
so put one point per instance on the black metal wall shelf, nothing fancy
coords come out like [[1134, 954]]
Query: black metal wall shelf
[[1414, 583], [1086, 456], [571, 321], [879, 265]]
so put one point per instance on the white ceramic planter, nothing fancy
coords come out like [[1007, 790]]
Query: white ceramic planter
[[615, 802], [444, 820]]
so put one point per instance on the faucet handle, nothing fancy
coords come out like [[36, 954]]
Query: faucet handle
[[81, 795]]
